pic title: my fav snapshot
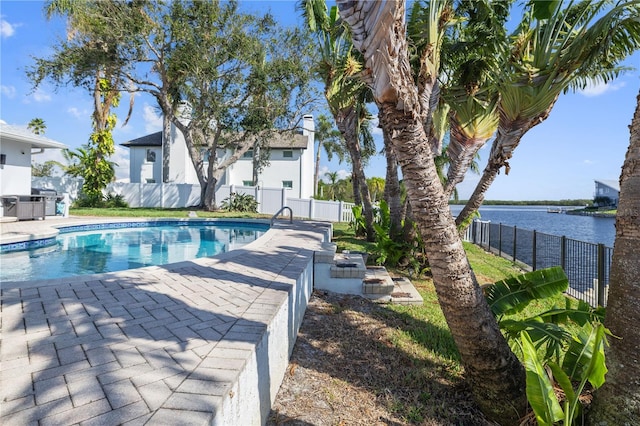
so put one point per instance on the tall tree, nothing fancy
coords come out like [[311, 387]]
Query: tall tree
[[37, 126], [91, 57], [557, 47], [617, 402], [328, 140], [337, 67], [225, 79], [471, 53], [379, 32]]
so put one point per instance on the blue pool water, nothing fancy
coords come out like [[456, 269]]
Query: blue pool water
[[109, 250]]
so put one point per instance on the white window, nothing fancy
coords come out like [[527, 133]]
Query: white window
[[287, 154], [287, 184], [248, 154], [151, 156]]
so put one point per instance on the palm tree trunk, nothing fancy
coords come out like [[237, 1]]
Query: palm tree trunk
[[316, 174], [346, 122], [496, 375], [507, 139], [617, 402], [392, 189], [461, 151], [166, 146]]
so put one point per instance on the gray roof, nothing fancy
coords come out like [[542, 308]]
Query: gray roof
[[611, 183], [285, 140], [277, 140], [154, 139], [26, 136]]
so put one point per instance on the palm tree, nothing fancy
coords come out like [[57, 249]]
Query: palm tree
[[346, 95], [550, 54], [329, 141], [496, 376], [37, 126], [334, 181], [617, 402]]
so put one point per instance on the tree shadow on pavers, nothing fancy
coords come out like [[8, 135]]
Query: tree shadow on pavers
[[347, 366], [115, 349]]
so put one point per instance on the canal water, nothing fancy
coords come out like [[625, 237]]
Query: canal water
[[582, 228]]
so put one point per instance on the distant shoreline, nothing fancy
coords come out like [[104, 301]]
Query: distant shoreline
[[577, 203]]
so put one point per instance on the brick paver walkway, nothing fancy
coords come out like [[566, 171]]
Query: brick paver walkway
[[157, 345]]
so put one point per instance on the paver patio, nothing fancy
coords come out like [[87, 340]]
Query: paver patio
[[156, 345]]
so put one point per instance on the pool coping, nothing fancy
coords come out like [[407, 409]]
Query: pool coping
[[80, 350], [46, 233]]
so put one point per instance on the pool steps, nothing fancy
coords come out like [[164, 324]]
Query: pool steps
[[347, 273]]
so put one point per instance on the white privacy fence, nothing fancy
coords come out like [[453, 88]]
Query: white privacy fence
[[171, 195]]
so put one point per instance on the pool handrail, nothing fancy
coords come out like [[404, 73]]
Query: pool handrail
[[273, 218]]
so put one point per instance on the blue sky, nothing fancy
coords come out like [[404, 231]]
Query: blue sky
[[585, 137]]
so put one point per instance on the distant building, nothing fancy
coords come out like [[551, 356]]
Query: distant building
[[607, 193], [17, 145], [291, 162]]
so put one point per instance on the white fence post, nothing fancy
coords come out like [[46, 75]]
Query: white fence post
[[340, 208], [256, 191], [284, 198], [312, 208]]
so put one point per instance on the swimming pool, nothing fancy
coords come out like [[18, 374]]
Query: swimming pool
[[94, 249]]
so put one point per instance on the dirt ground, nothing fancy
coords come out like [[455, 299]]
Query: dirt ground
[[346, 370]]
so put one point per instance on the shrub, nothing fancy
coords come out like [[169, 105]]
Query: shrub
[[240, 203]]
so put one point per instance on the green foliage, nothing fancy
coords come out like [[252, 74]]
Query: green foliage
[[584, 362], [358, 223], [549, 341], [43, 170], [37, 126], [396, 252], [236, 202], [540, 393], [513, 294], [110, 201]]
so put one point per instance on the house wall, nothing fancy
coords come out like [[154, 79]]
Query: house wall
[[181, 168], [15, 174], [141, 170], [298, 169], [308, 158], [280, 169]]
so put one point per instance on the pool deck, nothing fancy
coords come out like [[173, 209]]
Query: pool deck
[[157, 345]]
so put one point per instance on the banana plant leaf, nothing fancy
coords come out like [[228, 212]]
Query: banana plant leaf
[[552, 336], [540, 393], [585, 359], [513, 294], [581, 314]]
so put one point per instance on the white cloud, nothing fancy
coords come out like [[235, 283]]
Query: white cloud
[[76, 113], [39, 96], [375, 128], [597, 89], [7, 29], [589, 162], [8, 91], [152, 120], [121, 158]]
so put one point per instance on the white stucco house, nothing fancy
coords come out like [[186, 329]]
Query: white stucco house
[[291, 162], [17, 146], [607, 189]]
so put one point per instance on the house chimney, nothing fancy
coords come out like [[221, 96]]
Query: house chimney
[[184, 112], [308, 125]]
